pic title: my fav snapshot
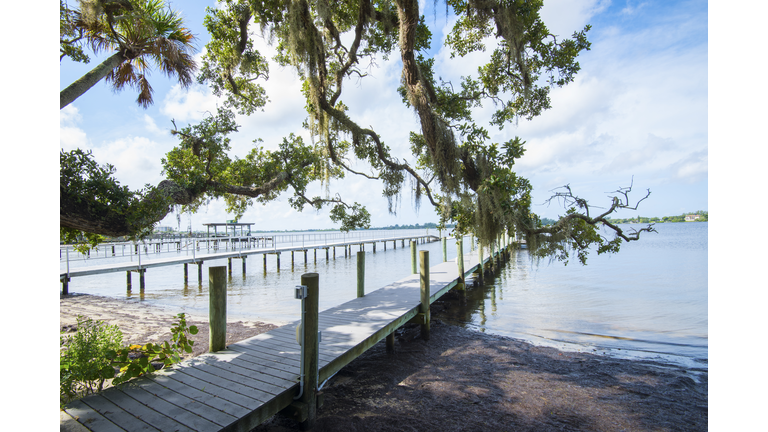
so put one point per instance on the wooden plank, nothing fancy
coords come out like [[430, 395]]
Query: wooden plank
[[237, 374], [247, 370], [216, 391], [284, 363], [187, 403], [167, 410], [266, 367], [117, 414], [233, 386], [239, 386], [90, 418], [210, 398]]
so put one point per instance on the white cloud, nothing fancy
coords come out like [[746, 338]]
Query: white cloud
[[188, 105], [151, 126], [692, 168], [70, 135], [563, 17], [631, 10]]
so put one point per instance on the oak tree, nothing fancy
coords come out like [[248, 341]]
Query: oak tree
[[466, 178]]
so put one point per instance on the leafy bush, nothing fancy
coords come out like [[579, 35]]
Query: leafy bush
[[85, 358], [90, 356], [137, 360]]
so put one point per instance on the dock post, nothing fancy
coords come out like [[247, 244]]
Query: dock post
[[361, 274], [482, 266], [229, 266], [315, 255], [292, 259], [326, 255], [460, 261], [265, 262], [65, 285], [305, 255], [200, 272], [311, 348], [128, 279], [278, 261], [186, 273], [413, 257], [424, 285], [445, 250], [244, 257], [141, 279], [217, 308], [334, 252]]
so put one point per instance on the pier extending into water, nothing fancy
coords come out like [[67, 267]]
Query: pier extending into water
[[244, 384], [249, 246]]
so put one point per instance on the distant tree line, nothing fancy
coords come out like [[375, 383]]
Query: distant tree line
[[703, 217]]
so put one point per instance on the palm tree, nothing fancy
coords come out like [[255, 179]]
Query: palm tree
[[141, 32]]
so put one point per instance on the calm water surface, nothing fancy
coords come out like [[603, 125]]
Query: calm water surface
[[648, 301]]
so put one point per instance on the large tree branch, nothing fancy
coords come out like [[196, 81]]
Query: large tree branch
[[153, 207]]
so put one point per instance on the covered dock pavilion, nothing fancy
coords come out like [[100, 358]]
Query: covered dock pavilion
[[226, 226]]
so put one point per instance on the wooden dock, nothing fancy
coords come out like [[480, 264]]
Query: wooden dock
[[245, 384], [140, 266]]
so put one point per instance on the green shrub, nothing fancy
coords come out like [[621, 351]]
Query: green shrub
[[90, 356], [137, 360], [84, 361]]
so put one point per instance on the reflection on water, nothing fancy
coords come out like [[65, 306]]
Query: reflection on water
[[649, 300]]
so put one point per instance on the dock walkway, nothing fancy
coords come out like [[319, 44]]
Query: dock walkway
[[65, 275], [242, 386]]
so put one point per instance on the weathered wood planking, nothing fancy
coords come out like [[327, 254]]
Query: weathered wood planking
[[240, 387]]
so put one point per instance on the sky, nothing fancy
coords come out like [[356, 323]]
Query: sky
[[636, 114]]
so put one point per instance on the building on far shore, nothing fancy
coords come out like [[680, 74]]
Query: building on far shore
[[692, 217]]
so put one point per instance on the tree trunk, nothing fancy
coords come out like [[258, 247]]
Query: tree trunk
[[84, 83]]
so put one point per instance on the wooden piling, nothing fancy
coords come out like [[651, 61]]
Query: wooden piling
[[265, 262], [200, 272], [141, 279], [460, 261], [445, 250], [311, 348], [278, 261], [65, 285], [424, 285], [128, 279], [482, 266], [217, 308], [244, 257], [186, 273], [305, 255], [229, 266], [361, 274], [413, 257]]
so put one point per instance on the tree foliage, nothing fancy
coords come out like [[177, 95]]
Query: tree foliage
[[466, 177], [140, 32]]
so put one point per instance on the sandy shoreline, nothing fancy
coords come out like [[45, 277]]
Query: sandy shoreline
[[141, 323], [459, 380]]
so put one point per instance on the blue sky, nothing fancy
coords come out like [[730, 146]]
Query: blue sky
[[638, 109]]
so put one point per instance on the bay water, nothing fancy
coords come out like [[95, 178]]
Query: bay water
[[648, 301]]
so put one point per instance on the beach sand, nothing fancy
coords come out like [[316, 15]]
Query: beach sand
[[459, 380]]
